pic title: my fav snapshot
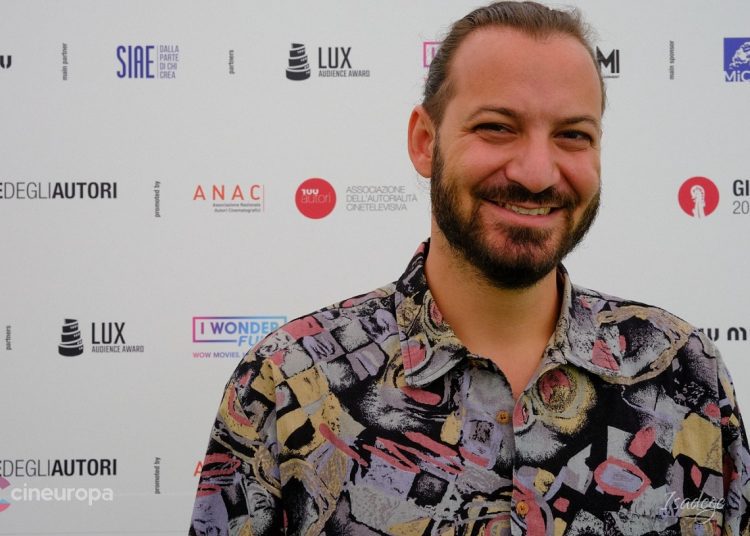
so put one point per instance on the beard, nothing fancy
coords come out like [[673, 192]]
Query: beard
[[528, 253]]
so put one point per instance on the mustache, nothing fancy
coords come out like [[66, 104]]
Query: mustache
[[515, 193]]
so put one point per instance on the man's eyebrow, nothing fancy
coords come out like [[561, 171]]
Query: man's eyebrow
[[580, 119], [502, 111], [515, 115]]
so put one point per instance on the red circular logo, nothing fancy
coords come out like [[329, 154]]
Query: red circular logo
[[315, 198], [698, 197]]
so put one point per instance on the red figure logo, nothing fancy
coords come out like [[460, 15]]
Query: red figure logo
[[698, 197]]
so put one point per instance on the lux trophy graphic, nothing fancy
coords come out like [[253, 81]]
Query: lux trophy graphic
[[298, 69], [71, 343]]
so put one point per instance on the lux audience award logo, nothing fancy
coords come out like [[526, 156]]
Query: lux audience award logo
[[299, 68], [71, 343]]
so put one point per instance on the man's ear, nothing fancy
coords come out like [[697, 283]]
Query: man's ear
[[421, 141]]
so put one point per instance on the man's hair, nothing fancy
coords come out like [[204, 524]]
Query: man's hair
[[531, 18]]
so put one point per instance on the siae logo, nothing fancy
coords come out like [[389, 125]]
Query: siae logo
[[698, 197], [610, 62], [147, 61], [737, 59], [6, 61]]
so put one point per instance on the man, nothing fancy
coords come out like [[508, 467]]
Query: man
[[483, 393]]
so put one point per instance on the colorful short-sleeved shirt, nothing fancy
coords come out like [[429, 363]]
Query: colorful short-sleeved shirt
[[370, 417]]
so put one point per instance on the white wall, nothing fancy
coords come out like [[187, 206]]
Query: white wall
[[111, 261]]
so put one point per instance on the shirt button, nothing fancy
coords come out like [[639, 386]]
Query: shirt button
[[503, 417], [522, 508]]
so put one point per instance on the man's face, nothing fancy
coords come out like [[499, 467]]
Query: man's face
[[515, 166]]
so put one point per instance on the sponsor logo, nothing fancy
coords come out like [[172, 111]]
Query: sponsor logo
[[157, 476], [71, 342], [64, 54], [35, 468], [147, 62], [737, 59], [315, 198], [299, 67], [34, 494], [379, 198], [730, 334], [58, 190], [332, 62], [241, 331], [671, 60], [741, 192], [610, 63], [4, 484], [6, 62], [109, 337], [106, 337], [8, 338], [157, 199], [232, 198], [429, 50], [698, 197]]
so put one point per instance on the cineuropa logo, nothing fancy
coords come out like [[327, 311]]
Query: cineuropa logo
[[35, 494], [4, 484]]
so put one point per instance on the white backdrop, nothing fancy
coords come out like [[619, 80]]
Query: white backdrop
[[221, 112]]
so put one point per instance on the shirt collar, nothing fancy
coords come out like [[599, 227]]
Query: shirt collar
[[599, 333]]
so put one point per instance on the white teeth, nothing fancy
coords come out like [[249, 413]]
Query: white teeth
[[541, 211]]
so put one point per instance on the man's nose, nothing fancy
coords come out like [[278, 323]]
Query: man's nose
[[533, 164]]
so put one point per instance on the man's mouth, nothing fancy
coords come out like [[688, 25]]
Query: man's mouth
[[538, 211]]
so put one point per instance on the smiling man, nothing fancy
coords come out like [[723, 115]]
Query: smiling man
[[483, 392]]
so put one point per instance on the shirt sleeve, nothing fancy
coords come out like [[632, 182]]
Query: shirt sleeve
[[239, 490], [736, 459]]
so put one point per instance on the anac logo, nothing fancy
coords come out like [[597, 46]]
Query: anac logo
[[5, 61]]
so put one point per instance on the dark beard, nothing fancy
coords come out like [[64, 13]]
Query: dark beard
[[503, 269]]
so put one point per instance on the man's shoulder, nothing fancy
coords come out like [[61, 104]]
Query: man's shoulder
[[615, 309], [335, 331], [629, 340]]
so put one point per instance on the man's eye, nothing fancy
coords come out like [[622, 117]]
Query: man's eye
[[576, 135], [494, 127]]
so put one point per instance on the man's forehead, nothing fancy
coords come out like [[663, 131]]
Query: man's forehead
[[501, 56]]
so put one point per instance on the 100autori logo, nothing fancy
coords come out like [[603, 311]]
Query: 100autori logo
[[36, 494]]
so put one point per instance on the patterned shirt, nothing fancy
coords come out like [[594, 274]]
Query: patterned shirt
[[371, 417]]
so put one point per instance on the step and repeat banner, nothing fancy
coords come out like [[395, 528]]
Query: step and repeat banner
[[177, 179]]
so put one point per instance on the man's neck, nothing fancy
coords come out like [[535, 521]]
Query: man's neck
[[510, 327]]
